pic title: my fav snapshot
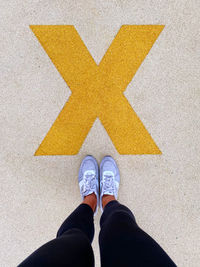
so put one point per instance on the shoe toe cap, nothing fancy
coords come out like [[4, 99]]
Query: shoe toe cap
[[87, 164]]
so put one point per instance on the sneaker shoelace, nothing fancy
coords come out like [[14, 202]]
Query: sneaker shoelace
[[108, 184], [89, 183]]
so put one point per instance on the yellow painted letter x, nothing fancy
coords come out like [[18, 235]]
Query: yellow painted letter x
[[97, 90]]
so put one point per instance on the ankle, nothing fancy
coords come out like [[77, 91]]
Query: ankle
[[106, 199], [91, 200]]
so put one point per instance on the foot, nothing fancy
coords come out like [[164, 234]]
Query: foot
[[88, 182], [109, 181]]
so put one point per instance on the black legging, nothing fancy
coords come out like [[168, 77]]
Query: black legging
[[122, 242]]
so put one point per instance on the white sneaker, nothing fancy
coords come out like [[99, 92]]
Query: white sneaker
[[109, 178], [88, 178]]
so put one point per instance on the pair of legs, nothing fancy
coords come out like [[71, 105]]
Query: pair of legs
[[122, 242]]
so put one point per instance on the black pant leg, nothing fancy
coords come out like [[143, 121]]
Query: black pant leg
[[123, 243], [72, 247], [81, 218]]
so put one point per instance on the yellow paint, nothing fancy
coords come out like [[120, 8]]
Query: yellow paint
[[97, 90]]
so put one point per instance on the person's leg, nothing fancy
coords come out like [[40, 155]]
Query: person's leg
[[72, 246], [123, 243], [81, 218]]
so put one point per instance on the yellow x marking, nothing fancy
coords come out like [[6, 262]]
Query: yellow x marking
[[97, 90]]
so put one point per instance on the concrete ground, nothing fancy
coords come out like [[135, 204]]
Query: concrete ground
[[163, 191]]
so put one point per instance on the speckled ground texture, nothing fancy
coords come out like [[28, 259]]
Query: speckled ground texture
[[163, 191]]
